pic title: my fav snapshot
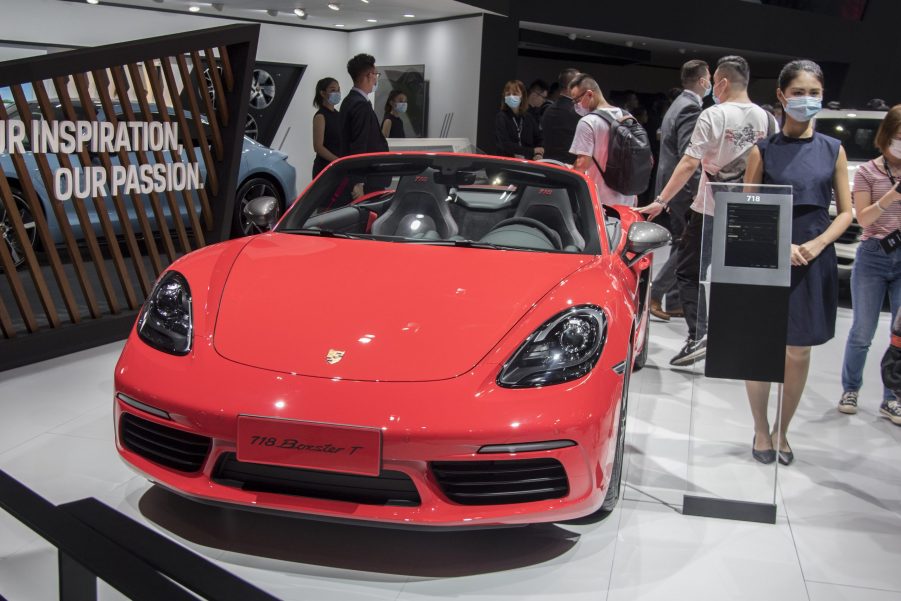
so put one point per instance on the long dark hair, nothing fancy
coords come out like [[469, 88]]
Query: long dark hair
[[793, 69], [321, 85], [392, 96]]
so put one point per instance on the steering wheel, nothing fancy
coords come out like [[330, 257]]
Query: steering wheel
[[552, 236]]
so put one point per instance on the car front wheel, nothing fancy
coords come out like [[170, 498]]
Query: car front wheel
[[14, 244]]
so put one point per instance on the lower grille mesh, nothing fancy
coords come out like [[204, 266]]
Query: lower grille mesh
[[390, 488], [496, 482], [167, 446]]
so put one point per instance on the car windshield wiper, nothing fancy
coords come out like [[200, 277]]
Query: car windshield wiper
[[315, 231], [467, 244]]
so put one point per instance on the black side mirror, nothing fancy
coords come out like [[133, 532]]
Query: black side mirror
[[643, 238], [262, 212]]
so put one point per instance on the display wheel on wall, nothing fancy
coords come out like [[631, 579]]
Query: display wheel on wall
[[250, 127], [262, 89], [210, 86]]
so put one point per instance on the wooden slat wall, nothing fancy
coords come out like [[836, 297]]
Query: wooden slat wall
[[118, 243]]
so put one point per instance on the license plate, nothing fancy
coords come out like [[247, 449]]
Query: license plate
[[310, 445]]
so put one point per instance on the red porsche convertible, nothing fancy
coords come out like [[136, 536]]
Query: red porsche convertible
[[452, 348]]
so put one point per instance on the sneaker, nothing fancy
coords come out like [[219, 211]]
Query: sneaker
[[657, 311], [691, 352], [892, 410], [848, 402]]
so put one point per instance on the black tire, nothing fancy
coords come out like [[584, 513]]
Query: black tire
[[616, 478], [642, 357], [7, 233], [253, 187]]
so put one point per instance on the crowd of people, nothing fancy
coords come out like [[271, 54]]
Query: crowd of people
[[733, 140]]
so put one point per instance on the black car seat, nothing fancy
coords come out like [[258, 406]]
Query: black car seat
[[419, 210], [551, 207]]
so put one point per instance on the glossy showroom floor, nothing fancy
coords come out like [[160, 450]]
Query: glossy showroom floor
[[838, 535]]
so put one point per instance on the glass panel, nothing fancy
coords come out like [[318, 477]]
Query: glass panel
[[742, 307]]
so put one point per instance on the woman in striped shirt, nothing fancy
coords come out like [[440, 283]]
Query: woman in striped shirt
[[877, 266]]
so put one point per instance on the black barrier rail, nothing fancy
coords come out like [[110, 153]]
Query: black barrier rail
[[95, 541]]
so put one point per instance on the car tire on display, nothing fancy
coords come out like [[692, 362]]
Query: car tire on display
[[254, 187], [262, 89], [8, 234], [616, 478]]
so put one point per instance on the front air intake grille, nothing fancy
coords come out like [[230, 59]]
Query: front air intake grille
[[390, 488], [169, 447], [496, 482]]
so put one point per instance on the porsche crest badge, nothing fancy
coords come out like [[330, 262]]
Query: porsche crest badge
[[334, 356]]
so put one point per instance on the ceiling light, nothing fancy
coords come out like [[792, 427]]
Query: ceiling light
[[339, 24], [334, 6], [372, 20], [272, 12], [409, 16], [194, 9], [93, 1], [365, 1], [300, 13]]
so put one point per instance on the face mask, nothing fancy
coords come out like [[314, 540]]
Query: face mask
[[376, 86], [708, 90], [803, 108], [581, 110], [334, 97], [894, 149], [401, 107], [513, 101]]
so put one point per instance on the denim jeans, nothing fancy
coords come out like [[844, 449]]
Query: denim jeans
[[874, 274]]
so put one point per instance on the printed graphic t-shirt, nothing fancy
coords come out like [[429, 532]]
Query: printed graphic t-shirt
[[724, 133]]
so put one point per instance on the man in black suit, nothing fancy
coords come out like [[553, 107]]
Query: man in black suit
[[558, 124], [360, 130], [675, 133]]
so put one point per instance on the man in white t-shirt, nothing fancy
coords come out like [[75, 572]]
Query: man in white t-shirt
[[592, 134], [720, 144]]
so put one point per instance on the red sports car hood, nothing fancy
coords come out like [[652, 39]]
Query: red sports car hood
[[366, 310]]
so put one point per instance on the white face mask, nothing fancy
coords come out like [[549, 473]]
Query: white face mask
[[581, 110], [894, 149], [401, 107]]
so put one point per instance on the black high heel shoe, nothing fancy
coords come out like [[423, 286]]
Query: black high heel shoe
[[765, 457], [786, 457]]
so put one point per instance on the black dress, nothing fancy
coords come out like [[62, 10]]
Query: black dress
[[397, 126], [808, 165], [331, 140], [516, 134]]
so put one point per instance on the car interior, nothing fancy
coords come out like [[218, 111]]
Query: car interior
[[492, 207]]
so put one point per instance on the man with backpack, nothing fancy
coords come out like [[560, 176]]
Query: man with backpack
[[720, 144], [611, 147]]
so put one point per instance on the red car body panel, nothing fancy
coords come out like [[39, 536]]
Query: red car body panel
[[267, 309]]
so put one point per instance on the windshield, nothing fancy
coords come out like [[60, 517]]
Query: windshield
[[857, 135], [450, 200]]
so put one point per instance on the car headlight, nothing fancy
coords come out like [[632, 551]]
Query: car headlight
[[166, 321], [564, 348]]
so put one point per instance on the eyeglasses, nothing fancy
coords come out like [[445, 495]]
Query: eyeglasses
[[376, 73], [579, 97]]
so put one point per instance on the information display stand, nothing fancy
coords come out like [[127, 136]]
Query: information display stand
[[745, 277]]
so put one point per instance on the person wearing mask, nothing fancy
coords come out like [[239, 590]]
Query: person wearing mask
[[558, 124], [816, 168], [590, 141], [395, 106], [538, 99], [360, 131], [877, 265], [720, 143], [675, 133], [515, 131], [326, 123]]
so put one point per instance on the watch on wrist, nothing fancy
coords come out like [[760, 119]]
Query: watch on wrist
[[660, 201]]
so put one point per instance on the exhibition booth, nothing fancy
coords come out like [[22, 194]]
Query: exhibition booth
[[446, 386]]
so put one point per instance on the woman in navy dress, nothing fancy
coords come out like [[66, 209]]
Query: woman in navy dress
[[326, 123], [816, 167]]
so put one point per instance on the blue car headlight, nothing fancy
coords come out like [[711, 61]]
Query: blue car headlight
[[166, 322], [564, 348]]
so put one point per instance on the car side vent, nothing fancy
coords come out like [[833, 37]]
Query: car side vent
[[389, 488], [170, 447], [501, 481]]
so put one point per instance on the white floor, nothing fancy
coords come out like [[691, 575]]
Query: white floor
[[838, 535]]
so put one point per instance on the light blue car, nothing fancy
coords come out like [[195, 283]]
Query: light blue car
[[263, 172]]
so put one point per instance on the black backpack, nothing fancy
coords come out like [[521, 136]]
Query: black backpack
[[629, 157]]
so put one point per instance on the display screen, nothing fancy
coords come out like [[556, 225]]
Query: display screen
[[752, 236]]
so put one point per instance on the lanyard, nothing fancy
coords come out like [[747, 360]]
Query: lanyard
[[888, 171], [518, 126]]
